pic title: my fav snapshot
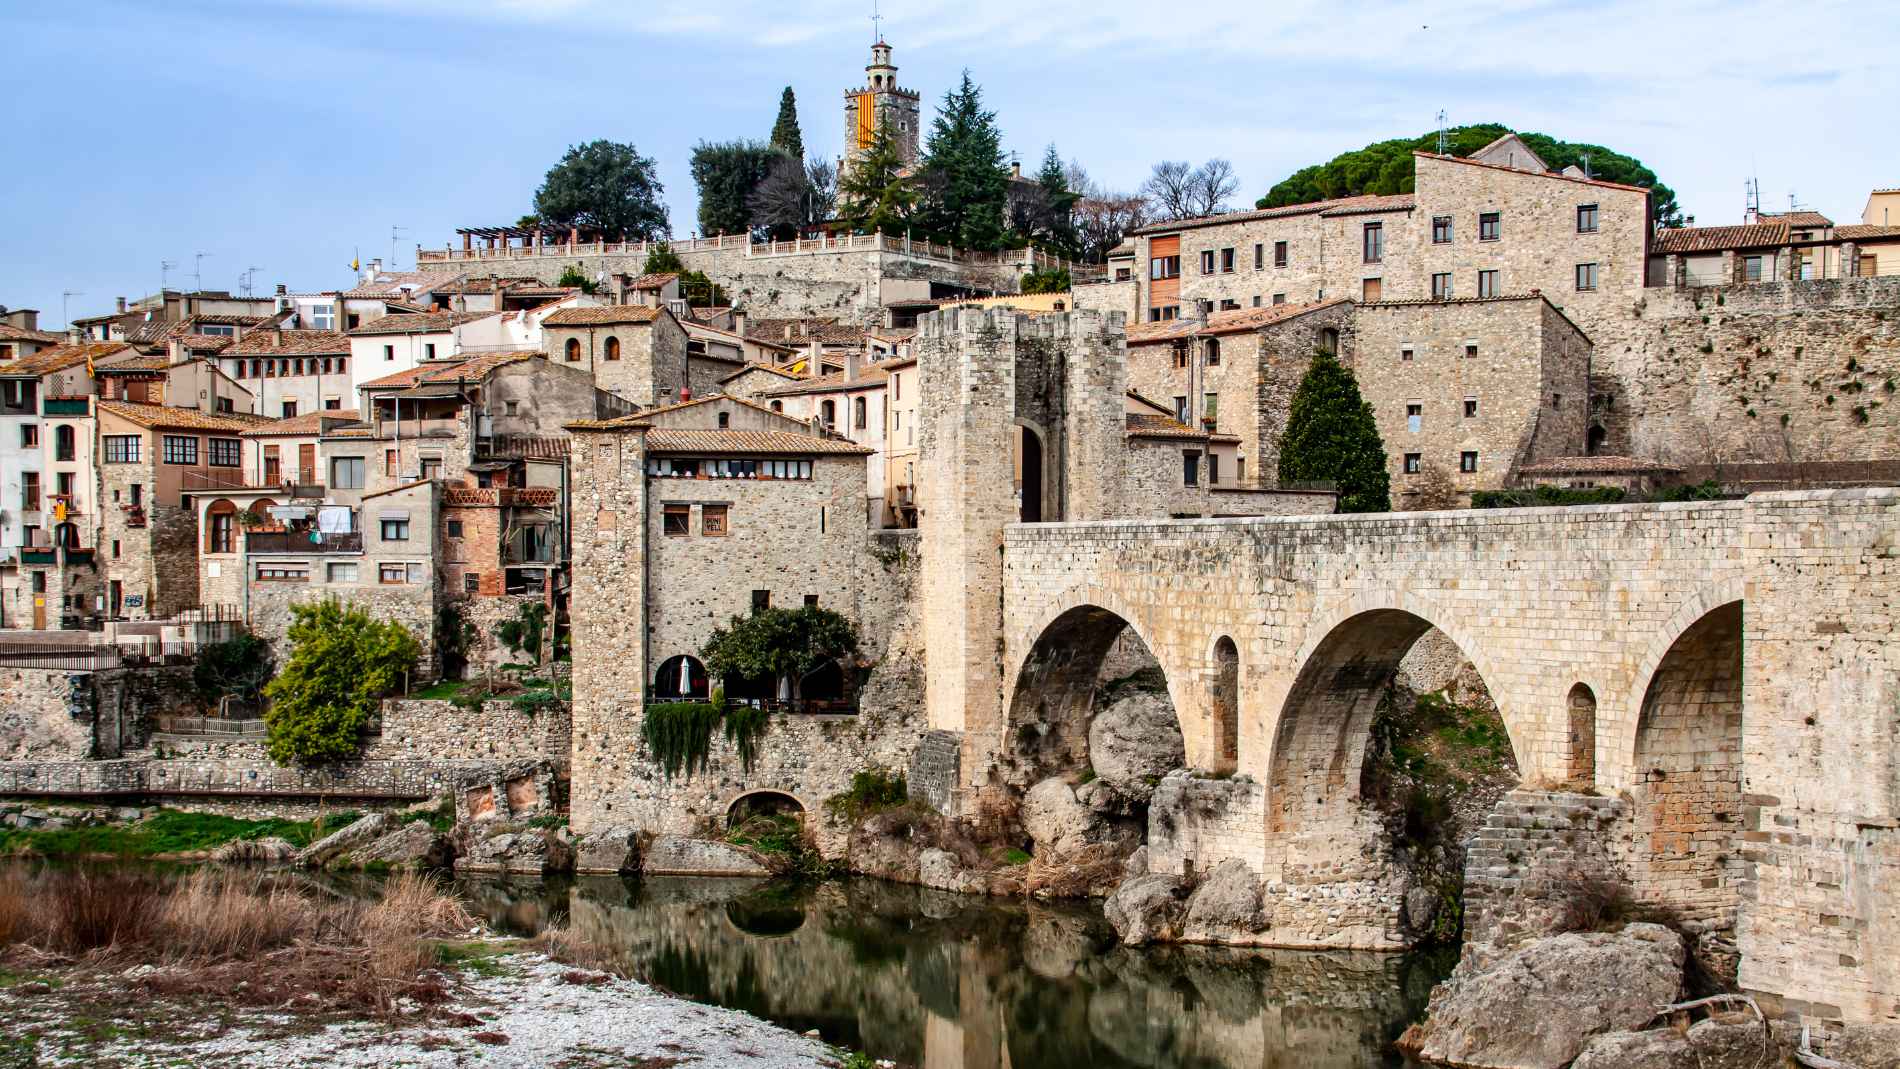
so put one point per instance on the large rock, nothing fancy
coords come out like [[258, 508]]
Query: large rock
[[1055, 819], [514, 849], [1737, 1043], [676, 855], [414, 845], [1146, 909], [1537, 1007], [364, 831], [1134, 742], [1225, 908], [269, 850], [608, 851]]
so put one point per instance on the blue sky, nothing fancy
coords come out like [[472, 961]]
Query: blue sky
[[287, 134]]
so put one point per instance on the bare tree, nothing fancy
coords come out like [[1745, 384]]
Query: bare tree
[[1103, 219], [1170, 189], [794, 197], [1210, 185]]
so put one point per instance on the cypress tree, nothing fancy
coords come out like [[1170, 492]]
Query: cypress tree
[[874, 194], [1331, 437], [966, 179], [785, 135]]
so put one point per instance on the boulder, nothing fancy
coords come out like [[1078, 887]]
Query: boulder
[[676, 855], [414, 845], [1134, 742], [1146, 909], [364, 831], [1538, 1006], [1714, 1042], [1137, 863], [1055, 819], [610, 851], [269, 850], [1225, 908], [513, 849], [127, 815]]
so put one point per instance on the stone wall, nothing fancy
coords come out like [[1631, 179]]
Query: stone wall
[[1532, 858], [415, 729], [45, 715]]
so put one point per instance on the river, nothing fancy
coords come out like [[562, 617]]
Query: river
[[945, 981]]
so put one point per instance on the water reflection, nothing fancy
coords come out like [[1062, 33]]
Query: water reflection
[[950, 982]]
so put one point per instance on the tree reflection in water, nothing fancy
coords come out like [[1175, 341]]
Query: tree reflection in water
[[940, 980]]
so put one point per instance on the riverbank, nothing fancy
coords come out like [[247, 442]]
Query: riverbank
[[514, 1009]]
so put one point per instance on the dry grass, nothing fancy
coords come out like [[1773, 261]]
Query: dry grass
[[260, 939]]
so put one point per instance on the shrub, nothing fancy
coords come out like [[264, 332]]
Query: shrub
[[522, 631], [1051, 280], [776, 643], [872, 790], [679, 734], [341, 663], [1331, 436], [239, 666]]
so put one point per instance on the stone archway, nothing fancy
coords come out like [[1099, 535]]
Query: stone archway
[[681, 678]]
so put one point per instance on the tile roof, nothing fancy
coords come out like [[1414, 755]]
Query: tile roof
[[418, 323], [1338, 206], [9, 332], [1597, 464], [305, 423], [1141, 425], [653, 282], [268, 342], [471, 367], [1807, 219], [205, 343], [870, 376], [663, 440], [1558, 175], [61, 357], [164, 416], [1232, 321], [596, 316], [1861, 232], [1720, 238], [825, 330], [138, 363], [780, 372], [399, 283]]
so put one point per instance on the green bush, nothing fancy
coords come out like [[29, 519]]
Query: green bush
[[342, 663], [679, 734], [1331, 437], [776, 643], [1051, 280], [872, 789], [522, 631]]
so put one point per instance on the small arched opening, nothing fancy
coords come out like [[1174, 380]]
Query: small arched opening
[[828, 413], [612, 349], [824, 683], [66, 535], [778, 406], [1581, 730], [1224, 704], [860, 413], [681, 678], [573, 349], [221, 527], [1593, 443]]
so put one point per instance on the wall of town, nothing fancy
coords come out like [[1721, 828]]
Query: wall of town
[[57, 714]]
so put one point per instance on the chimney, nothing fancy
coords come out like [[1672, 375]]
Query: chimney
[[277, 336], [851, 365], [122, 305], [175, 349], [283, 290], [75, 336], [1016, 168], [814, 360], [738, 321], [372, 269], [620, 288]]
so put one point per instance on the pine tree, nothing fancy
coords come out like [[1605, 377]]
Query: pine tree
[[785, 135], [1057, 229], [965, 178], [1331, 437], [874, 194]]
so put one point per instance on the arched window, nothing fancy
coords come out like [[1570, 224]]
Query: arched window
[[1594, 442], [681, 677], [778, 406], [66, 535], [221, 527], [613, 347], [858, 413], [64, 447], [828, 412], [1329, 342], [1213, 352], [1583, 736], [573, 348]]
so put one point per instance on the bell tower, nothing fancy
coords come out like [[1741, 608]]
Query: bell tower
[[880, 100]]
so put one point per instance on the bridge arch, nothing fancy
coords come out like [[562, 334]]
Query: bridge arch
[[754, 801], [1618, 738]]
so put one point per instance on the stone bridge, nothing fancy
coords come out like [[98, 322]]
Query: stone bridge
[[1729, 670]]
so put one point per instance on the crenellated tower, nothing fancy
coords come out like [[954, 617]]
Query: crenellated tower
[[878, 100]]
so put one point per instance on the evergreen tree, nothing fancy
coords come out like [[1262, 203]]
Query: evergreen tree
[[965, 177], [785, 135], [1057, 225], [874, 194], [342, 663], [726, 174], [1331, 437], [603, 186]]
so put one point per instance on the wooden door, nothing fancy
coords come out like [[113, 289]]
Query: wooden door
[[273, 470], [307, 463], [39, 612]]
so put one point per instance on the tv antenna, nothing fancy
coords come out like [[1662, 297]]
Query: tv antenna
[[877, 30], [245, 279], [1586, 165], [1751, 208], [164, 272], [1444, 136], [198, 272], [394, 233], [64, 299]]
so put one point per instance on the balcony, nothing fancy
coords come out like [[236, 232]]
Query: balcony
[[304, 542], [542, 497], [39, 555], [66, 406], [134, 515]]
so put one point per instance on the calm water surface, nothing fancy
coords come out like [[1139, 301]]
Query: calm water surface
[[947, 981]]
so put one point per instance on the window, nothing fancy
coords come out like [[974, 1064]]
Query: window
[[225, 404], [1329, 341], [612, 349], [1471, 350], [395, 530], [859, 411], [138, 494], [1213, 352], [811, 601], [1279, 254], [1586, 276], [65, 443], [115, 549], [1190, 467], [897, 387], [428, 351], [122, 448], [222, 536], [761, 600], [1256, 300], [346, 473], [472, 583], [1164, 314], [676, 520], [432, 467], [323, 317], [1487, 283], [828, 413], [1405, 353], [1371, 290], [455, 528], [1586, 218], [341, 572], [398, 574], [572, 349], [30, 436], [778, 406], [1468, 461], [285, 573], [1411, 463], [712, 520], [1180, 408], [1414, 418], [1228, 304], [225, 452], [1471, 408], [389, 352], [1259, 256], [1213, 469], [1227, 261], [1441, 229], [1751, 269], [725, 420], [1556, 401], [1488, 226], [1210, 412], [1279, 298], [1179, 350], [29, 491], [1372, 244], [1441, 286], [1164, 267], [180, 449], [1207, 261]]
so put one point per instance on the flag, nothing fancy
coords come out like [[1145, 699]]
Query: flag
[[356, 262]]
